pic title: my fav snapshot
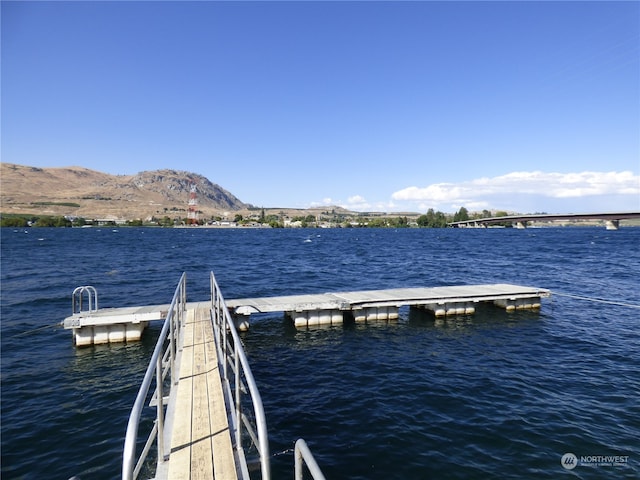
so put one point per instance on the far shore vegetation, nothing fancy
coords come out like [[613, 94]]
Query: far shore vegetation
[[330, 219]]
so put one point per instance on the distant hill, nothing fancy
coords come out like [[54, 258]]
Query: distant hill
[[91, 194]]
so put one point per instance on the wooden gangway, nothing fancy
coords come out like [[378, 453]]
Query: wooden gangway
[[208, 411], [200, 438]]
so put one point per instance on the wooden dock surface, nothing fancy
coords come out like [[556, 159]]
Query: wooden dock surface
[[110, 316], [396, 297], [200, 440]]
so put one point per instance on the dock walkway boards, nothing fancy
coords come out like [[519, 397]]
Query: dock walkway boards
[[200, 440], [110, 316], [379, 298]]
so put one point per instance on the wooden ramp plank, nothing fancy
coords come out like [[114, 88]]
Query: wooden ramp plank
[[180, 458], [201, 453], [201, 446], [223, 456]]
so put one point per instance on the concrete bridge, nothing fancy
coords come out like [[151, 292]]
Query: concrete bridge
[[611, 220]]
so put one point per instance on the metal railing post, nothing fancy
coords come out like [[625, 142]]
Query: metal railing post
[[238, 398], [160, 410], [223, 333], [303, 455], [172, 346]]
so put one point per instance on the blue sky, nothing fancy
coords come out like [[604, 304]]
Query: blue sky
[[386, 106]]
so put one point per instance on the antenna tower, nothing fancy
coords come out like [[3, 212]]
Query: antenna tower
[[192, 211]]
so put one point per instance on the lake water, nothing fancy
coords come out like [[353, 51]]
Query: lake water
[[493, 395]]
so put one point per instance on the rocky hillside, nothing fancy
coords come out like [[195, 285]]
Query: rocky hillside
[[90, 194]]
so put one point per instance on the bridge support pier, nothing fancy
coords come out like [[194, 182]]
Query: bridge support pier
[[612, 224]]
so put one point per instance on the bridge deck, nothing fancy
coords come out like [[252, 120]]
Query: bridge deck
[[200, 439], [612, 219]]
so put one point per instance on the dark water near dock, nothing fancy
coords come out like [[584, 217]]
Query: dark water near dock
[[493, 395]]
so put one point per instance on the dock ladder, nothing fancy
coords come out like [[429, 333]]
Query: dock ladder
[[78, 299]]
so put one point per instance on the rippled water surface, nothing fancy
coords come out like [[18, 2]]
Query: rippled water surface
[[493, 395]]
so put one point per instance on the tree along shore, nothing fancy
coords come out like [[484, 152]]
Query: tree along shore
[[431, 219]]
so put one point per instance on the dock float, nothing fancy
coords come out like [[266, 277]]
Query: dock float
[[375, 305], [92, 326], [112, 325]]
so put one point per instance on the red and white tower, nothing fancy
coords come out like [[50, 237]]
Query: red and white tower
[[192, 211]]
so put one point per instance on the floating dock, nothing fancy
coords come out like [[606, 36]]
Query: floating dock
[[112, 325], [375, 305], [109, 325], [209, 418]]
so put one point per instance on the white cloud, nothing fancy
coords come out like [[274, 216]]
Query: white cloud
[[356, 199], [356, 202], [527, 188], [325, 202]]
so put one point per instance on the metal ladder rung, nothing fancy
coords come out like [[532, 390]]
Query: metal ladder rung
[[154, 400]]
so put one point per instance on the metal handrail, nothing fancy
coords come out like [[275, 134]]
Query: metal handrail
[[303, 455], [235, 363], [162, 364]]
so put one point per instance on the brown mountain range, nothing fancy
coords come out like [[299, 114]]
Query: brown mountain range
[[90, 194]]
